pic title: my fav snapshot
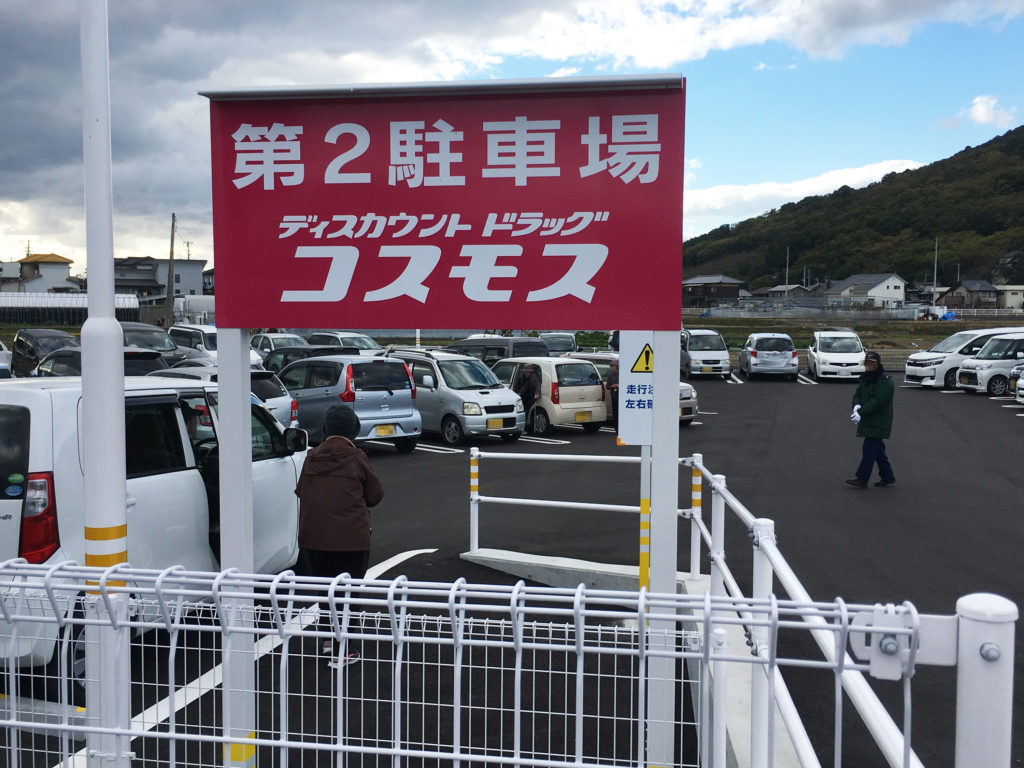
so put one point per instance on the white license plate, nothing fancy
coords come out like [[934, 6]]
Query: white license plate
[[582, 416], [844, 372], [385, 430], [495, 423]]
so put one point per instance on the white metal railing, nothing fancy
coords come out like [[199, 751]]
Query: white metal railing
[[891, 656]]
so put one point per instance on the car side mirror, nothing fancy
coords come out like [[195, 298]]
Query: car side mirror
[[428, 383], [1020, 354], [295, 440]]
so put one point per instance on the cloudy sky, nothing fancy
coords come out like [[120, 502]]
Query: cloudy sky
[[784, 99]]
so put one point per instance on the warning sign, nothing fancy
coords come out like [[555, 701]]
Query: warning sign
[[644, 361]]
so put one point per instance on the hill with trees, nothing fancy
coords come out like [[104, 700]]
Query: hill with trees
[[973, 202]]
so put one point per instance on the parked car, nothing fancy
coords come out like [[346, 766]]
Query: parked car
[[571, 391], [703, 352], [836, 354], [68, 362], [264, 384], [264, 343], [559, 343], [362, 343], [989, 370], [1020, 387], [688, 407], [1016, 374], [171, 484], [146, 336], [279, 358], [459, 397], [769, 354], [31, 345], [203, 338], [937, 366], [5, 361], [491, 349], [379, 389]]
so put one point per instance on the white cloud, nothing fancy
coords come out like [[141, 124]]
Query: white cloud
[[985, 110], [706, 209]]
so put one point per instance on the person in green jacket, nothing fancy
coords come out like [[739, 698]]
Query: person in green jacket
[[872, 413]]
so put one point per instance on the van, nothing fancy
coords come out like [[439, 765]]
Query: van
[[703, 352], [31, 345], [172, 487], [379, 389], [937, 367], [989, 370], [491, 349], [571, 391], [203, 338]]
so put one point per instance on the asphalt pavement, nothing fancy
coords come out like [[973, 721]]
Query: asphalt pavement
[[950, 525]]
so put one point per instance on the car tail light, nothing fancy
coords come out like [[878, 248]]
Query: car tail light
[[554, 392], [39, 535], [795, 353], [349, 395], [294, 415], [411, 380], [753, 353]]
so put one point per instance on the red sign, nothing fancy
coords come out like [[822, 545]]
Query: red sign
[[513, 207]]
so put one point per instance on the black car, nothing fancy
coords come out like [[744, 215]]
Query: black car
[[68, 362], [31, 345], [146, 336], [278, 358]]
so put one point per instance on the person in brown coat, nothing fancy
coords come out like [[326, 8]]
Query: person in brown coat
[[336, 489]]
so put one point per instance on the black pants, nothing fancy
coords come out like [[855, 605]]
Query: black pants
[[873, 452], [327, 563]]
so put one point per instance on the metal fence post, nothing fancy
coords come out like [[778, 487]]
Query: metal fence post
[[984, 680], [762, 581], [718, 699], [108, 678], [695, 515], [717, 536], [474, 499]]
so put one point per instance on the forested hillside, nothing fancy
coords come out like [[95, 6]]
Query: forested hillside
[[973, 202]]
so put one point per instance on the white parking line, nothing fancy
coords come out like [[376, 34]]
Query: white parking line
[[543, 440], [702, 412], [1003, 398], [953, 392], [734, 379], [1018, 414], [804, 380], [1012, 405], [438, 448]]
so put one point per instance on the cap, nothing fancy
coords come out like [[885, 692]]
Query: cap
[[342, 421], [873, 357]]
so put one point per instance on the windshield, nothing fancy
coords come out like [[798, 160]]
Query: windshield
[[839, 344], [210, 340], [360, 342], [467, 374], [289, 341], [144, 338], [47, 344], [706, 343], [953, 343], [1000, 349]]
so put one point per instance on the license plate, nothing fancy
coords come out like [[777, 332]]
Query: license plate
[[582, 416], [844, 372], [385, 430], [706, 369], [963, 379], [495, 423]]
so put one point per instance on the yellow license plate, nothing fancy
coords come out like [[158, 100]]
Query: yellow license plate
[[385, 430], [706, 369], [582, 416], [495, 423]]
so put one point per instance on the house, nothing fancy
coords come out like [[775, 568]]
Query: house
[[708, 290], [881, 290], [38, 273], [1010, 296], [208, 285], [146, 277], [971, 294], [793, 290]]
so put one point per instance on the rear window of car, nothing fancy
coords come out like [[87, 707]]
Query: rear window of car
[[560, 343], [14, 438], [577, 374], [47, 344], [265, 387], [529, 349], [140, 366], [774, 344], [380, 376]]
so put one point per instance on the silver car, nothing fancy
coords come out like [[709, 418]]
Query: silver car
[[264, 384], [769, 353], [379, 389]]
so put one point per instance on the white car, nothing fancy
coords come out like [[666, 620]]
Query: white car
[[989, 370], [360, 341], [264, 384], [173, 517], [937, 367], [703, 352], [204, 339], [571, 391], [835, 354], [265, 343]]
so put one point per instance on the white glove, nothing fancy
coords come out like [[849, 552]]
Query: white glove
[[855, 416]]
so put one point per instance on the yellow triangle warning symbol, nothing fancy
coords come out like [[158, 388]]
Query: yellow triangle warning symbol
[[644, 361]]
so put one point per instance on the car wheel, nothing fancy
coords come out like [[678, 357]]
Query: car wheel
[[591, 426], [511, 437], [451, 431], [74, 650], [949, 381], [406, 444], [541, 422], [998, 386]]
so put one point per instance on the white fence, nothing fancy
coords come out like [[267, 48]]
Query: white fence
[[978, 640]]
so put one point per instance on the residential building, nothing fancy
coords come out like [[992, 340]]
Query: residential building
[[971, 294], [146, 277], [880, 290], [793, 290], [709, 290], [208, 282], [1010, 296], [38, 273]]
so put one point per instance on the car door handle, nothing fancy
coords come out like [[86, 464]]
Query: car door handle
[[130, 502]]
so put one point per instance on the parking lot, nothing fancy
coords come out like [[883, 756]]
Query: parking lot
[[950, 526]]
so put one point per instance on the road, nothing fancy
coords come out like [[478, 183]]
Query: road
[[949, 527]]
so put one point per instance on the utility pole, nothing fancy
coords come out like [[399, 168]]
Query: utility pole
[[787, 273], [935, 275], [169, 305]]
